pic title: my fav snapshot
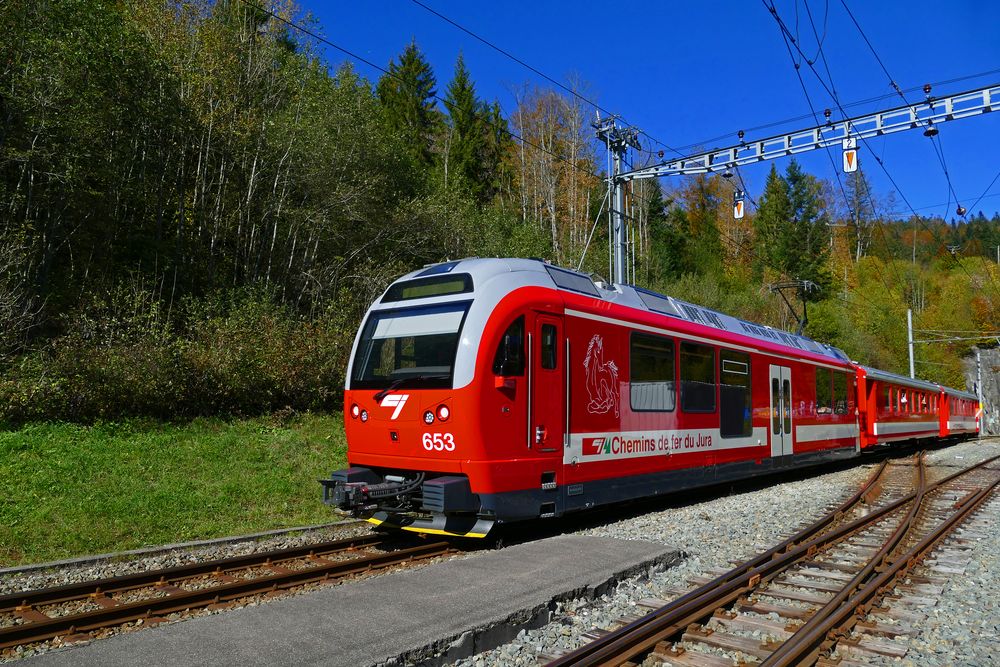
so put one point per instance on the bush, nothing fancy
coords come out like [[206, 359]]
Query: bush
[[237, 353]]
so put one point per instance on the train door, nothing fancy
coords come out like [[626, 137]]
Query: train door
[[547, 400], [781, 410]]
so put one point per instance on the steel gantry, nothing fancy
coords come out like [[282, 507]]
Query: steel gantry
[[924, 115]]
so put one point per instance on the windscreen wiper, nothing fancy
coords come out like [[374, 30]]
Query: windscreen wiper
[[398, 383], [382, 394]]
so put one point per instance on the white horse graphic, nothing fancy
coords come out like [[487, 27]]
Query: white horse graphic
[[602, 379]]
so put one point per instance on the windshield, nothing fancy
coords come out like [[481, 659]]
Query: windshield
[[412, 347]]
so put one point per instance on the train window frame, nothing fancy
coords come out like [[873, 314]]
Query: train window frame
[[500, 356], [640, 337], [366, 352], [549, 347], [461, 284], [690, 350], [736, 360], [840, 400], [826, 373]]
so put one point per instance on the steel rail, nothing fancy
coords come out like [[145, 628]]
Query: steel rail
[[73, 591], [180, 600], [877, 561], [865, 493], [809, 640], [644, 634]]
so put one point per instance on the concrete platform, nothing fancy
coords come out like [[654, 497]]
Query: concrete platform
[[438, 613]]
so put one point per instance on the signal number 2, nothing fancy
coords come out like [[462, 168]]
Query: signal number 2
[[439, 442]]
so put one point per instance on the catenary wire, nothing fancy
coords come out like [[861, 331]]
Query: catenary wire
[[545, 76], [869, 100], [855, 215], [324, 40], [937, 145], [784, 29]]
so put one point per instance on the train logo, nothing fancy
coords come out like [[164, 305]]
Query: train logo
[[595, 446], [395, 401], [602, 379]]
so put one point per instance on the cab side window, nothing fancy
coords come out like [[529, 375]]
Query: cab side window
[[509, 357], [550, 353]]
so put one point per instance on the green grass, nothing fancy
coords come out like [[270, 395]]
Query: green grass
[[68, 490]]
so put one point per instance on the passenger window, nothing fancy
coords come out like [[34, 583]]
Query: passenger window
[[651, 373], [734, 394], [824, 397], [550, 348], [840, 393], [509, 358], [697, 378]]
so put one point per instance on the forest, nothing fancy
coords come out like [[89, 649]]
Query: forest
[[197, 207]]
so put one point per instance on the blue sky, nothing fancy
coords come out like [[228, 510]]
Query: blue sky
[[689, 71]]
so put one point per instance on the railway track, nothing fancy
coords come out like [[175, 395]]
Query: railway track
[[798, 602], [72, 612]]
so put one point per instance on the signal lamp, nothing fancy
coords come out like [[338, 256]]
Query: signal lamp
[[428, 417], [931, 130], [443, 412], [364, 415], [355, 411]]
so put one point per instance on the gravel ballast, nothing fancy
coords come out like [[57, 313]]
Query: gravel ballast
[[714, 533]]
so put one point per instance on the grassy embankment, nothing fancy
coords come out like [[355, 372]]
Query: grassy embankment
[[69, 490]]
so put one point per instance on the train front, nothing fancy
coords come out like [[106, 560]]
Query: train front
[[410, 417]]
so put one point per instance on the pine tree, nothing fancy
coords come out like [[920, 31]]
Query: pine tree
[[466, 127], [407, 96], [806, 244], [497, 173], [772, 217]]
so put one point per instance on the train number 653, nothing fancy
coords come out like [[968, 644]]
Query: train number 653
[[439, 442]]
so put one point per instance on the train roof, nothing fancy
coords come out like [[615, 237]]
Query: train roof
[[959, 393], [904, 380], [917, 383], [483, 270]]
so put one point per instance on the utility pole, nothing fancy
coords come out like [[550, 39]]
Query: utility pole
[[979, 390], [618, 140], [909, 337]]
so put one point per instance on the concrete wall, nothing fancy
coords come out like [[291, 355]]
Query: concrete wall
[[990, 360]]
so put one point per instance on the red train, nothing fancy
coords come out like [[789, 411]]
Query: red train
[[484, 391]]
